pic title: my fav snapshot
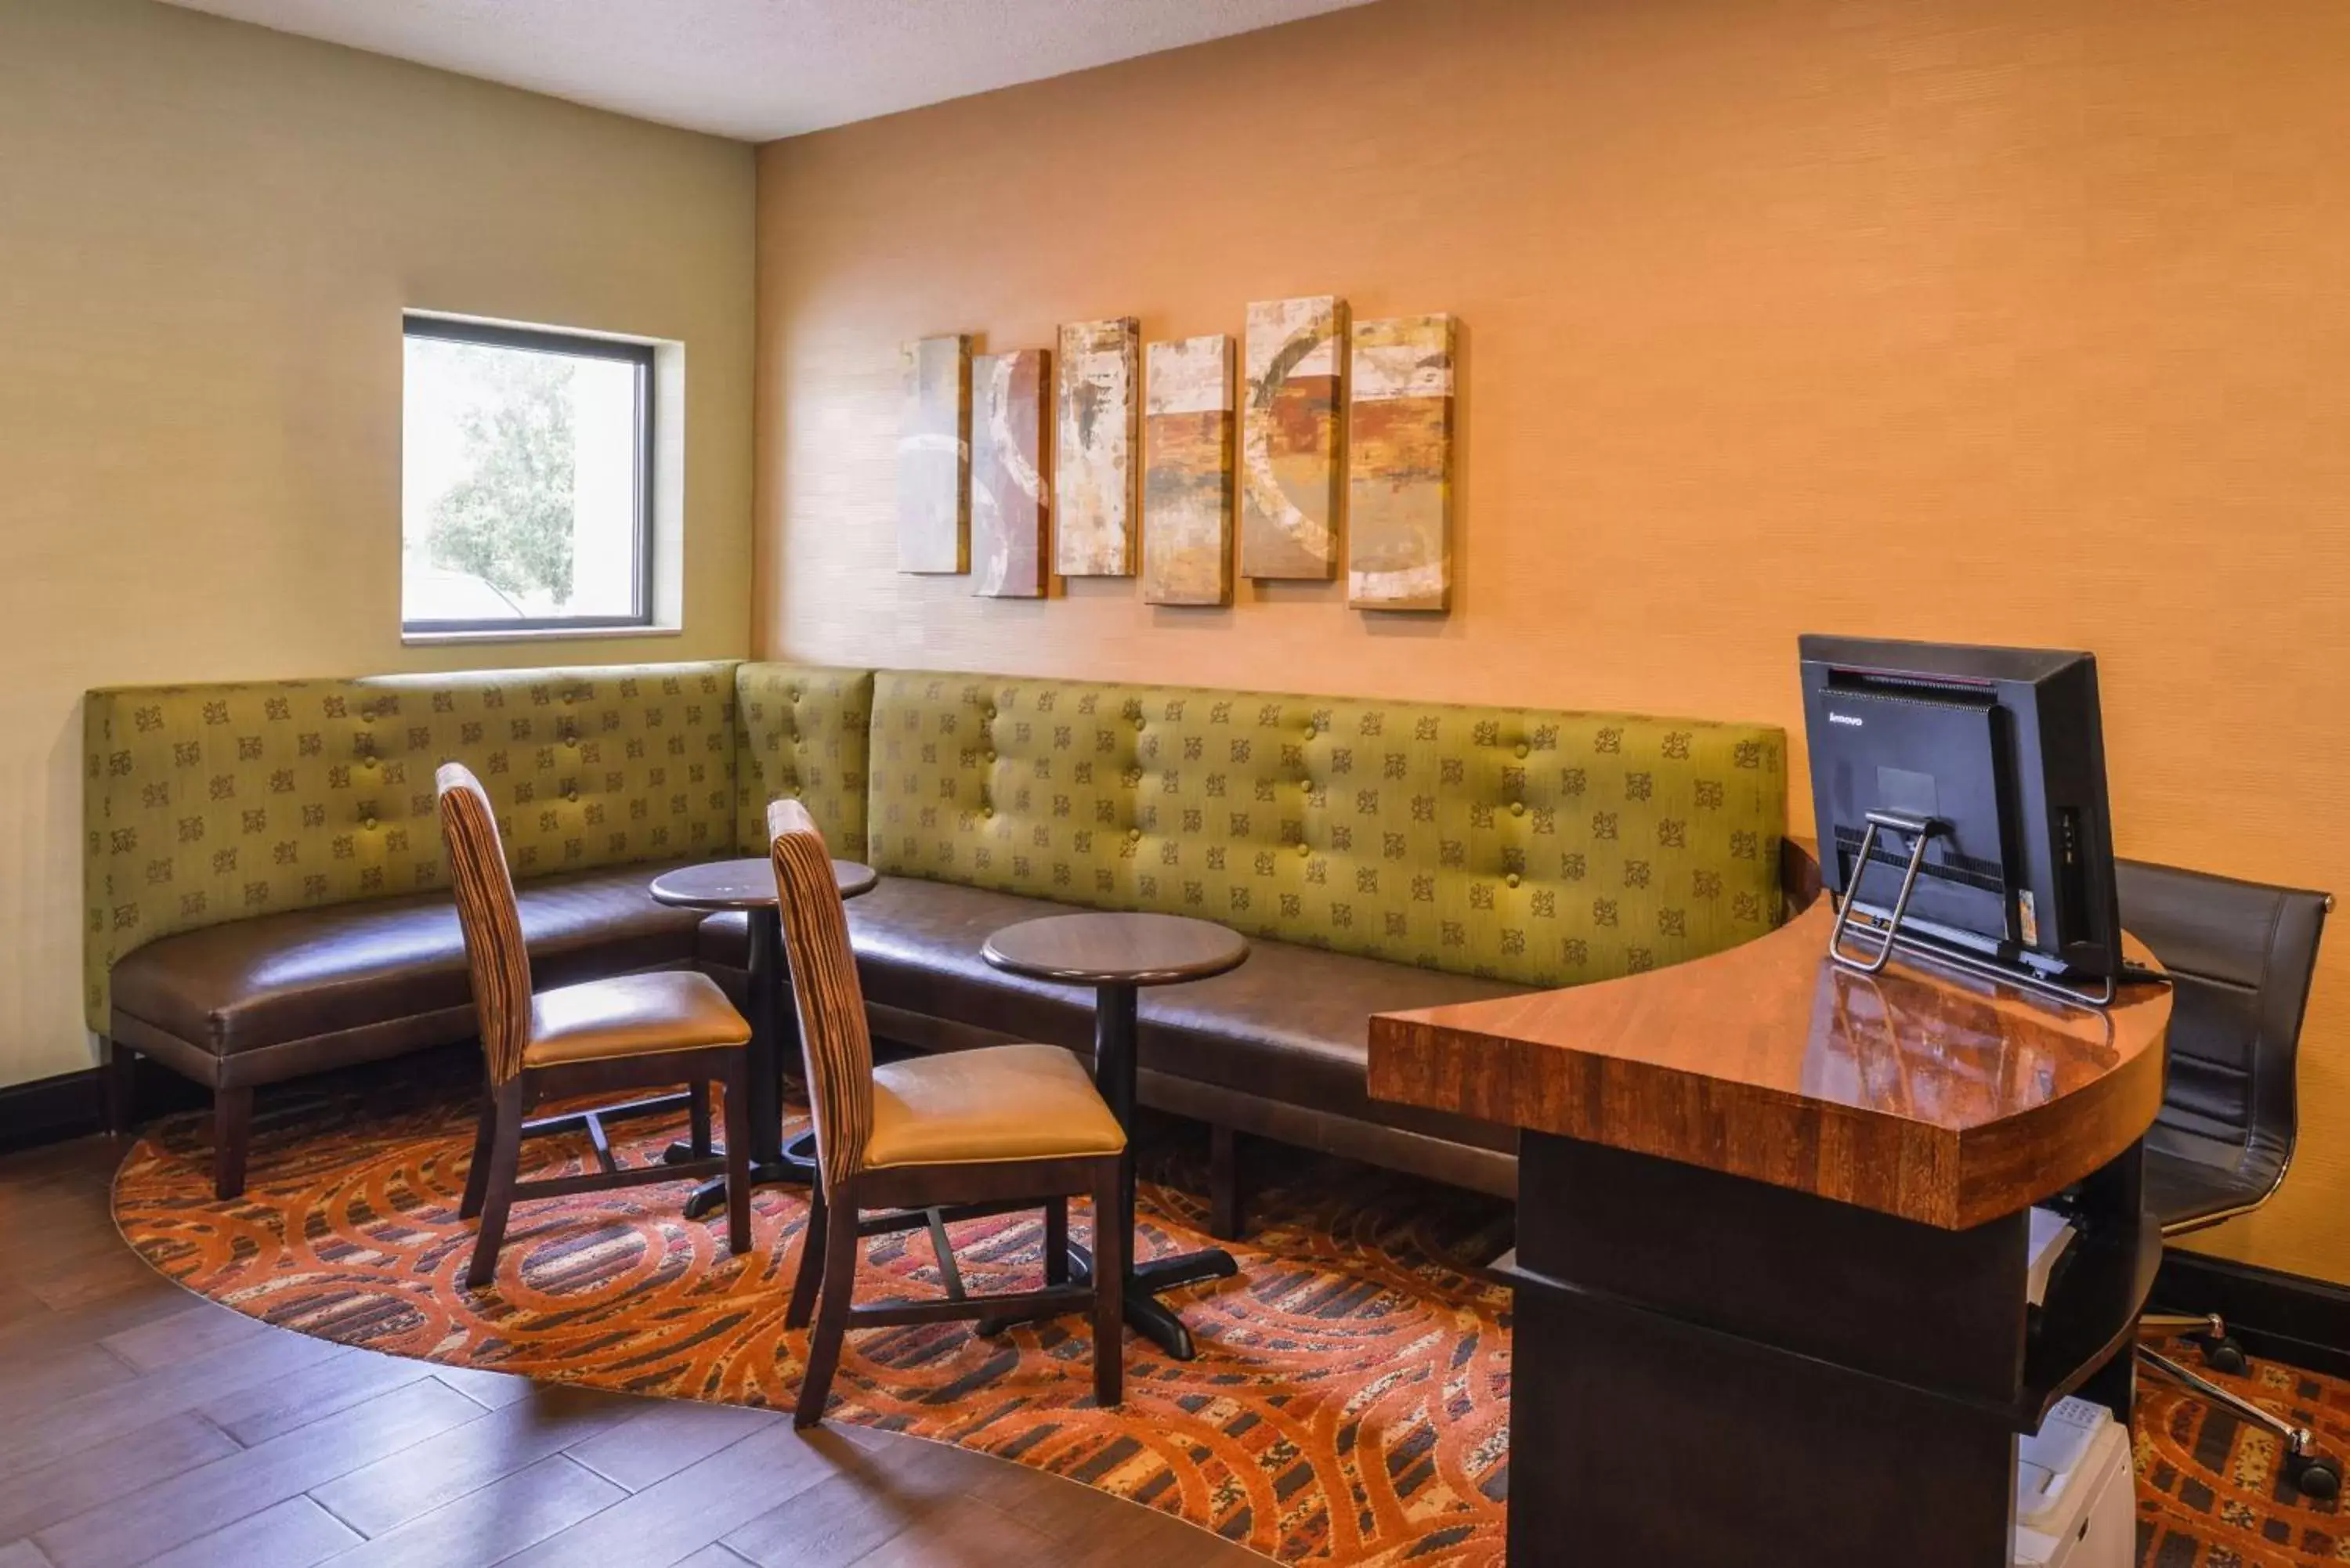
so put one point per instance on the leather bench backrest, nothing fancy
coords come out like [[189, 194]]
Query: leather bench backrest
[[1542, 848], [802, 730], [208, 804]]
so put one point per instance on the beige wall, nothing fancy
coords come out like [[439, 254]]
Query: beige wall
[[2003, 320], [207, 234]]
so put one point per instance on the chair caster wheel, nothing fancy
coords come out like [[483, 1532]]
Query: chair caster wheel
[[2225, 1356], [2318, 1480]]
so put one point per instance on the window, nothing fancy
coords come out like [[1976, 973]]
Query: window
[[526, 480]]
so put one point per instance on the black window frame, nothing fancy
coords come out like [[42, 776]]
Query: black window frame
[[550, 340]]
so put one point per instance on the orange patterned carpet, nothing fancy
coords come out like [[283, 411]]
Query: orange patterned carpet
[[1349, 1406]]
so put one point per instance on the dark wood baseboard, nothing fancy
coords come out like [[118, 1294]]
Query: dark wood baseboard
[[2284, 1317], [73, 1105]]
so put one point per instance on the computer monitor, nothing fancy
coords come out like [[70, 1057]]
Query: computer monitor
[[1995, 757]]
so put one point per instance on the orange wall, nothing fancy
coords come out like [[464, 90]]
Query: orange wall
[[1998, 320]]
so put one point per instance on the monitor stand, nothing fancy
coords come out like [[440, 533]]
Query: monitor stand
[[1890, 936]]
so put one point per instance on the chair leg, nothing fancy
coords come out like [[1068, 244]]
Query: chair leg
[[477, 1175], [809, 1282], [1057, 1242], [505, 1161], [697, 1097], [737, 1085], [841, 1246], [1109, 1291], [231, 1136], [121, 1065], [1227, 1203]]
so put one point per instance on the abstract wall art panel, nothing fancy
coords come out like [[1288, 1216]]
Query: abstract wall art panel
[[1011, 504], [1291, 433], [1099, 409], [1186, 485], [934, 457], [1399, 464]]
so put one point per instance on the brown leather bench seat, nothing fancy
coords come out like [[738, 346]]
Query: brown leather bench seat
[[1277, 1047], [277, 996]]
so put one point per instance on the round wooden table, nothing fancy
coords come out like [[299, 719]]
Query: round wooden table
[[1117, 954], [749, 884]]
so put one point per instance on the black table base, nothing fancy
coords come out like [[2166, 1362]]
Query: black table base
[[1145, 1312], [1115, 1008], [794, 1166]]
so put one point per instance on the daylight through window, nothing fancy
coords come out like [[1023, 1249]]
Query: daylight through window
[[526, 479]]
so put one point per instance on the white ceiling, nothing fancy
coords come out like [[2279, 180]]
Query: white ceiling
[[758, 69]]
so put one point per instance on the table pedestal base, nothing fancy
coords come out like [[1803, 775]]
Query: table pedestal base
[[1145, 1312], [795, 1166]]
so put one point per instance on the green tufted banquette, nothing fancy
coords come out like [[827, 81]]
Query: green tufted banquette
[[1543, 847], [206, 804], [801, 731]]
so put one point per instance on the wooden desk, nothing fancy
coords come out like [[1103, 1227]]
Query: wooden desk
[[1772, 1234]]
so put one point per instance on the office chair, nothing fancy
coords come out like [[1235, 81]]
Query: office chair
[[2241, 956]]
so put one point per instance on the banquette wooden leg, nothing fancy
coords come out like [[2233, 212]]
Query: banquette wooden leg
[[1109, 1289], [120, 1066], [231, 1136], [1227, 1202], [504, 1164]]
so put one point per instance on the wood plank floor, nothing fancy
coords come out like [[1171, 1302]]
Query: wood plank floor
[[140, 1424]]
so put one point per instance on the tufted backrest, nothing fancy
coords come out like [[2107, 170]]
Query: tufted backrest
[[835, 1039], [801, 731], [1521, 845], [206, 804], [495, 957]]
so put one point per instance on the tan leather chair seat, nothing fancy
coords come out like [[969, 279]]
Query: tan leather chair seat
[[1006, 1102], [630, 1015]]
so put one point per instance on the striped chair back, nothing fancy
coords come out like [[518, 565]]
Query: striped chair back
[[492, 925], [833, 1033]]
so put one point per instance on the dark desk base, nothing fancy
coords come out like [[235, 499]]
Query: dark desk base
[[1712, 1372]]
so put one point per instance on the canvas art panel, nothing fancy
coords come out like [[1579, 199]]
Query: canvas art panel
[[1291, 431], [1099, 411], [1186, 485], [1399, 464], [934, 457], [1011, 504]]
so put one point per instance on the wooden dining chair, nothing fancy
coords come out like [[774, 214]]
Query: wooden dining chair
[[1008, 1126], [652, 1030]]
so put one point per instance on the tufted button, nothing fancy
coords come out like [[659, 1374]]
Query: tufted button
[[571, 740], [792, 693], [990, 710], [570, 698], [368, 823], [1134, 835], [991, 756], [572, 795], [1517, 808], [1305, 848], [1524, 751], [1511, 880], [987, 811], [1141, 724], [1134, 776]]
